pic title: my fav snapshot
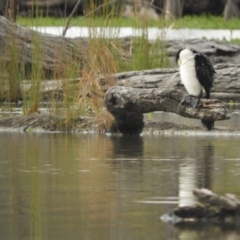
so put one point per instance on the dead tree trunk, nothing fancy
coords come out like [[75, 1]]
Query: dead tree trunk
[[22, 50], [226, 85], [231, 9], [128, 104], [12, 10], [56, 51], [173, 9]]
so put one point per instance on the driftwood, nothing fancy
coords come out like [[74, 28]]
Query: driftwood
[[54, 52], [128, 104], [57, 51], [161, 90], [209, 207], [226, 85]]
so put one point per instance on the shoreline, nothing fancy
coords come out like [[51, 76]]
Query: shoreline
[[44, 123]]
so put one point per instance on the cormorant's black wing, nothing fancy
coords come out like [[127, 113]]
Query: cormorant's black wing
[[205, 72]]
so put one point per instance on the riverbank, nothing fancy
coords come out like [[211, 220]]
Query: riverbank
[[47, 123], [75, 58]]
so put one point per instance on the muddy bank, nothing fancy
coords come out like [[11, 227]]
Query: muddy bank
[[45, 123]]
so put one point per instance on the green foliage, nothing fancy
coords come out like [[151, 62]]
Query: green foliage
[[232, 104], [204, 22]]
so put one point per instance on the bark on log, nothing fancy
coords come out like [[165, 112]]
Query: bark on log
[[219, 52], [226, 85], [125, 103], [56, 52]]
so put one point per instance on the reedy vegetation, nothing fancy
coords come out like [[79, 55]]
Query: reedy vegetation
[[104, 57]]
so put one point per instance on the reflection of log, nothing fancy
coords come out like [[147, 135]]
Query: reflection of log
[[211, 207], [128, 104]]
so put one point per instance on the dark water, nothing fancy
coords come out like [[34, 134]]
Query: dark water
[[63, 186]]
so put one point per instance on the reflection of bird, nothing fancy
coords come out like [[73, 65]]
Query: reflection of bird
[[197, 74]]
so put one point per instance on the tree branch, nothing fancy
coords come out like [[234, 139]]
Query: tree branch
[[70, 17]]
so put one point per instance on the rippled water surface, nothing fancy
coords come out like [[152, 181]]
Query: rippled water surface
[[62, 186]]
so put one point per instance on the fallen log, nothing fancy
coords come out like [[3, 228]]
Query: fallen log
[[210, 207], [129, 104], [226, 85], [57, 51], [31, 47]]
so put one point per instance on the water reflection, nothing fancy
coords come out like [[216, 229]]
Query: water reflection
[[127, 146], [187, 182], [195, 173], [205, 163], [196, 231], [62, 186]]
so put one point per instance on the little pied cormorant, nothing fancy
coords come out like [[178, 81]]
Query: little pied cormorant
[[197, 75]]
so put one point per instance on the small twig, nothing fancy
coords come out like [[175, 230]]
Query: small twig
[[70, 17]]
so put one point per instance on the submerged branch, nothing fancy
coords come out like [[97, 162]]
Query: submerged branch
[[209, 208]]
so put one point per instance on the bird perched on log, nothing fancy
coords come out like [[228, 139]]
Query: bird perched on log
[[197, 75]]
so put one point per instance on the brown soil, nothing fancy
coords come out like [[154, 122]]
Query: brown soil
[[169, 126], [47, 123], [44, 122]]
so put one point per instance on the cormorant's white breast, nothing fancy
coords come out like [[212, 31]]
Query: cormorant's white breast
[[196, 71]]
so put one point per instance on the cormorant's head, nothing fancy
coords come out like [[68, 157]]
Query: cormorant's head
[[183, 55]]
